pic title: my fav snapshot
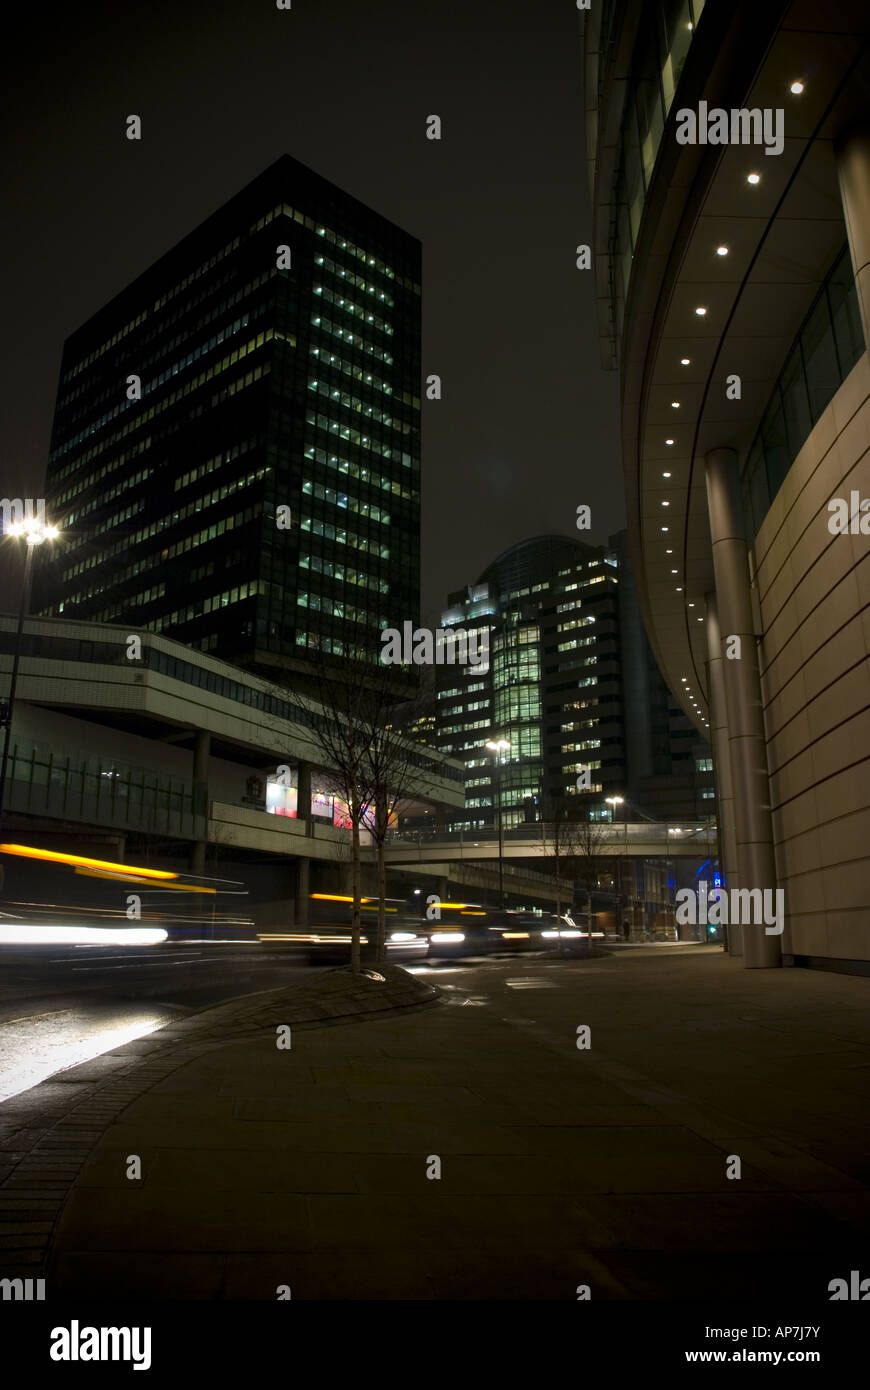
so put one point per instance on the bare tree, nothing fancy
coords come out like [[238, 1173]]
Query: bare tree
[[561, 837], [339, 726], [395, 770], [591, 836], [364, 730]]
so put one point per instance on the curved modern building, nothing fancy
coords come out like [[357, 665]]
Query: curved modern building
[[729, 154]]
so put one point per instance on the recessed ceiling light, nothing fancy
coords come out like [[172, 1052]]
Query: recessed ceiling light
[[666, 475], [666, 504], [679, 591], [796, 87], [665, 528], [753, 178], [675, 405], [684, 361], [674, 571], [669, 442], [700, 311], [691, 605]]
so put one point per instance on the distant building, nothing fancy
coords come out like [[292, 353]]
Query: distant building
[[229, 381], [571, 683]]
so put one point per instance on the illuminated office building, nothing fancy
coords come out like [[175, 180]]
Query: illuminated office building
[[235, 457], [562, 638]]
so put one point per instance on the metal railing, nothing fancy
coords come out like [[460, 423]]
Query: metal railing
[[103, 791]]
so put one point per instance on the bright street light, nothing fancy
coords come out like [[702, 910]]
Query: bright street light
[[33, 532], [496, 745]]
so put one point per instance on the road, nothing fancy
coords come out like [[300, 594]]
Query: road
[[64, 1005], [61, 1006]]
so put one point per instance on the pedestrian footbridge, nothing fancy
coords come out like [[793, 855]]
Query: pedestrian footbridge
[[641, 840]]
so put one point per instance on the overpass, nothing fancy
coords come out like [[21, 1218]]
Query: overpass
[[642, 840]]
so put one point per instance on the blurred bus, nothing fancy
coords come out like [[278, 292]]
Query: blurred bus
[[51, 897]]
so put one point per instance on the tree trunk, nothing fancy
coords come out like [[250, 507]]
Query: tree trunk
[[382, 902], [356, 890]]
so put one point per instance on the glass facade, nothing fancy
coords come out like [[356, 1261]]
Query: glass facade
[[824, 352], [261, 387], [552, 605], [664, 38]]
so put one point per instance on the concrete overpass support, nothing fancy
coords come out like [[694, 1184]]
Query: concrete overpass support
[[303, 888], [201, 754], [753, 825], [303, 791], [722, 754]]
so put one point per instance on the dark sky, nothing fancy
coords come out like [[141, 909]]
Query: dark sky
[[527, 428]]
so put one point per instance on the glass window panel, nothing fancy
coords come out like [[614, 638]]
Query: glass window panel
[[677, 35], [777, 463], [633, 182], [795, 403], [651, 121], [773, 425], [759, 497], [624, 247], [820, 358], [776, 457], [846, 316]]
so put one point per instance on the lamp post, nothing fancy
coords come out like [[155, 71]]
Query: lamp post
[[674, 830], [34, 533], [496, 746], [613, 802]]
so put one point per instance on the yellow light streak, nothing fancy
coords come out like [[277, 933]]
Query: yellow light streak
[[55, 857], [135, 878]]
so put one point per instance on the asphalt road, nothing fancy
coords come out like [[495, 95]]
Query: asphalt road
[[60, 1006], [63, 1005]]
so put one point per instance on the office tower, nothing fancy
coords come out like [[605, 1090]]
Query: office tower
[[567, 659], [235, 459]]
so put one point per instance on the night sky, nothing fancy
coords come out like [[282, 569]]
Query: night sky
[[527, 428]]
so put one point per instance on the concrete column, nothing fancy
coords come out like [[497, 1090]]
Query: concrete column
[[303, 791], [201, 753], [853, 167], [303, 888], [722, 760], [756, 867]]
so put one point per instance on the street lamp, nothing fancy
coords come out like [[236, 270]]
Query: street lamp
[[496, 746], [613, 802], [33, 533]]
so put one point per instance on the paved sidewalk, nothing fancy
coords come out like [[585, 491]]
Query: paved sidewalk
[[559, 1167], [48, 1132]]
